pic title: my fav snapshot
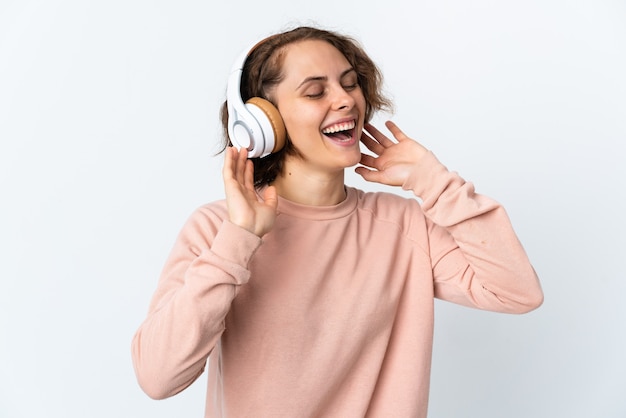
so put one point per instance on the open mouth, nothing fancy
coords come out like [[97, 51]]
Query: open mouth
[[342, 132]]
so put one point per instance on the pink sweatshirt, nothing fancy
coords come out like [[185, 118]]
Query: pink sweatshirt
[[331, 313]]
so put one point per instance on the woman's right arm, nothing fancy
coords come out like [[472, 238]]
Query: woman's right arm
[[206, 267], [186, 315]]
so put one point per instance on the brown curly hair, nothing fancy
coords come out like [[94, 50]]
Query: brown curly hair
[[263, 70]]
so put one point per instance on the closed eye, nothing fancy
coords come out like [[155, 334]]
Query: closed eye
[[318, 95], [315, 95]]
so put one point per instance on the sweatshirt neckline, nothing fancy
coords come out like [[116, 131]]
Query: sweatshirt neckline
[[339, 210]]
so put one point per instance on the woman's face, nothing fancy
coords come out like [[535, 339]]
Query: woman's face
[[321, 104]]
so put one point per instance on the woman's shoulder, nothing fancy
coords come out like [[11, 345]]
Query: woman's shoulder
[[213, 212], [207, 216]]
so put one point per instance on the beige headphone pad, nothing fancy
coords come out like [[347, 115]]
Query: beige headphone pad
[[278, 126]]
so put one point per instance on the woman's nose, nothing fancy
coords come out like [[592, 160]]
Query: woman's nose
[[342, 99]]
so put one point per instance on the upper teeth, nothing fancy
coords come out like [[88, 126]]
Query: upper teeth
[[339, 127]]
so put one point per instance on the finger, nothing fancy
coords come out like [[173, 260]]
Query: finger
[[368, 160], [227, 169], [270, 197], [372, 145], [240, 168], [369, 175], [249, 175], [396, 131], [379, 136]]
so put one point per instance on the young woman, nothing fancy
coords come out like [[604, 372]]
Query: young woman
[[310, 298]]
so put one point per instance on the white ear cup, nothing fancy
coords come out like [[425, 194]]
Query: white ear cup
[[256, 125]]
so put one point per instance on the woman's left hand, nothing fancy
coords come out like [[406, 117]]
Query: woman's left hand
[[394, 161]]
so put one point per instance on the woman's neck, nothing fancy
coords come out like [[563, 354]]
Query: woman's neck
[[310, 188]]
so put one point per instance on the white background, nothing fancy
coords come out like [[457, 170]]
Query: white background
[[108, 123]]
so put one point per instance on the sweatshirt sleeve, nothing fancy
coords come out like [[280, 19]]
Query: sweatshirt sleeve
[[207, 264], [476, 257]]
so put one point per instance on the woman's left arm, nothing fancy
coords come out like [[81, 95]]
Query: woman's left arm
[[476, 257]]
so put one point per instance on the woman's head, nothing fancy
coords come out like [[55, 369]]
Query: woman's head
[[263, 71]]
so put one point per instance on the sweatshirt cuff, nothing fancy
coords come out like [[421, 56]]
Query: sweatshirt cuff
[[426, 179], [235, 244]]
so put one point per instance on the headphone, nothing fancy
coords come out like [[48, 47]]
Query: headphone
[[256, 124]]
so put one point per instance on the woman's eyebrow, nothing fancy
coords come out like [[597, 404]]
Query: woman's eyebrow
[[323, 78], [348, 71], [312, 78]]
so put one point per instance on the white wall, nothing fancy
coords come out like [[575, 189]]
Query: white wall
[[108, 120]]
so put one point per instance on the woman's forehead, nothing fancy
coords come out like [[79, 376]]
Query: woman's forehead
[[312, 58]]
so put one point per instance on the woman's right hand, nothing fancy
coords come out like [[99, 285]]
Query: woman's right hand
[[245, 207]]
